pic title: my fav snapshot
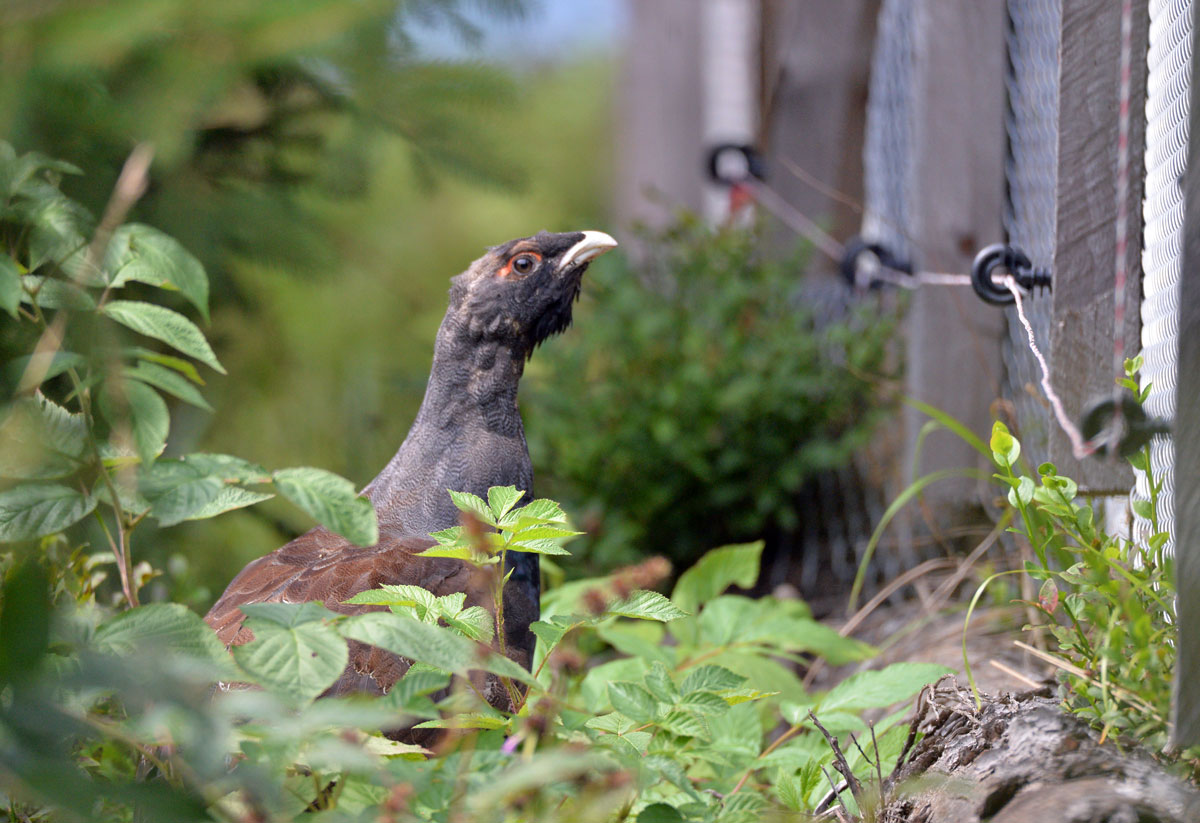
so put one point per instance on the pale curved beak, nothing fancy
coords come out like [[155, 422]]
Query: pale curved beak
[[593, 244]]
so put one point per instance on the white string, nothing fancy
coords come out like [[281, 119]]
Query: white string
[[1079, 447], [791, 217]]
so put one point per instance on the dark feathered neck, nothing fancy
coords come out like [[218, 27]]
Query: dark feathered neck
[[468, 433]]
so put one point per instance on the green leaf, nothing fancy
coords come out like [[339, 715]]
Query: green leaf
[[299, 660], [538, 511], [289, 614], [612, 722], [172, 382], [180, 365], [146, 413], [228, 468], [1005, 448], [503, 498], [177, 491], [1022, 494], [10, 285], [398, 595], [1143, 509], [409, 693], [332, 501], [879, 689], [426, 643], [38, 509], [550, 546], [47, 364], [228, 499], [475, 622], [40, 439], [467, 502], [633, 701], [702, 702], [711, 678], [715, 572], [166, 325], [659, 813], [647, 605], [165, 626], [143, 253], [55, 294], [658, 681]]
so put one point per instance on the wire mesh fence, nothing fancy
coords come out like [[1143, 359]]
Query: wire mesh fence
[[1029, 218]]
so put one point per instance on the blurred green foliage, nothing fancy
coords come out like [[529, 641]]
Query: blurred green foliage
[[330, 181], [699, 394]]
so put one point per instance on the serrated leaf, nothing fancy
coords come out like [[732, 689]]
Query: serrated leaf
[[166, 325], [147, 255], [228, 468], [715, 572], [540, 546], [50, 293], [172, 382], [685, 724], [145, 412], [164, 626], [502, 498], [633, 701], [430, 644], [542, 532], [467, 502], [613, 723], [229, 499], [647, 605], [879, 689], [332, 501], [38, 509], [178, 364], [177, 491], [396, 595], [704, 702], [710, 678], [455, 552], [658, 681], [10, 285], [410, 693], [475, 622], [538, 511], [300, 660], [289, 614], [40, 439]]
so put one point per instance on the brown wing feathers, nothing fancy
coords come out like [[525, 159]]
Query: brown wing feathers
[[467, 436]]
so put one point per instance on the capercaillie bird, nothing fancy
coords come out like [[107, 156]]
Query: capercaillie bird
[[467, 436]]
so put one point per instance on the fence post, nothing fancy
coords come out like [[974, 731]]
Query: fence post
[[1081, 363], [953, 344], [1186, 711]]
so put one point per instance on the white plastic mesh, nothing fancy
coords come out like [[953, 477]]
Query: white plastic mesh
[[1029, 217], [1167, 103]]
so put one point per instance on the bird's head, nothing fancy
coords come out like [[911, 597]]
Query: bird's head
[[522, 291]]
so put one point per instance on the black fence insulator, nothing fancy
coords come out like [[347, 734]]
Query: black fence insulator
[[857, 247], [733, 163], [1136, 427], [1014, 262]]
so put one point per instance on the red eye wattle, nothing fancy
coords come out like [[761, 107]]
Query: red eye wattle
[[522, 264]]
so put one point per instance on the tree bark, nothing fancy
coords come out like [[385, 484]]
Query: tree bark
[[1022, 759]]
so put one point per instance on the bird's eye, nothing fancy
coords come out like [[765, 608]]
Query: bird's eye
[[523, 264]]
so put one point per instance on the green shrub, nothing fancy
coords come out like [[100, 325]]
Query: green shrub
[[700, 394], [1107, 600]]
